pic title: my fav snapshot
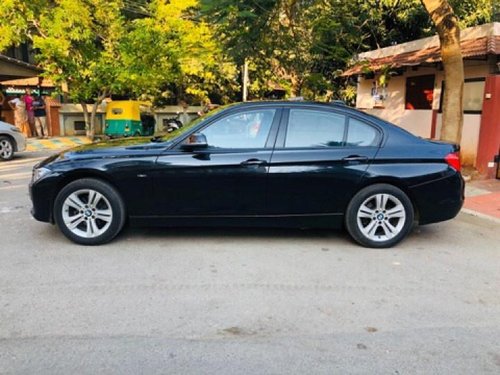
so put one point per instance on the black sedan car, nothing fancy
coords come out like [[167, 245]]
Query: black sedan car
[[272, 164]]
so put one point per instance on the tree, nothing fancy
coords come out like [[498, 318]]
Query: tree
[[93, 48], [297, 40], [198, 65], [76, 43], [244, 28], [448, 31]]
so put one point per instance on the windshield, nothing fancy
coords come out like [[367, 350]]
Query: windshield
[[187, 127]]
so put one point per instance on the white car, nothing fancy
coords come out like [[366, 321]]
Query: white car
[[11, 140]]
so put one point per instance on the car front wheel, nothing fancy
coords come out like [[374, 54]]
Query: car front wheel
[[379, 216], [6, 148], [89, 211]]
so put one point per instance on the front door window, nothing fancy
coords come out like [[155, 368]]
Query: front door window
[[241, 130]]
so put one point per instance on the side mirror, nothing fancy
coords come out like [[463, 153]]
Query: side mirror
[[195, 141]]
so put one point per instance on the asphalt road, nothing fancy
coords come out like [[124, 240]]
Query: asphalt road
[[245, 301]]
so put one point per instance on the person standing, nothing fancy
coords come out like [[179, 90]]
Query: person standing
[[20, 115], [40, 117], [28, 101], [2, 99]]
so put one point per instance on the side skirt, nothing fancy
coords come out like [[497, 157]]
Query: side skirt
[[268, 221]]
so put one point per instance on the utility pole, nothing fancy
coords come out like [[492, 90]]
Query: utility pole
[[244, 78]]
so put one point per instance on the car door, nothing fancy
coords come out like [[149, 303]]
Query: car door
[[226, 178], [320, 159]]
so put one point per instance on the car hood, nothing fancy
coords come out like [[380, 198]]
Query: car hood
[[6, 127], [116, 148]]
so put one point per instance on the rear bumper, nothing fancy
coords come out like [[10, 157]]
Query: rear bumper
[[439, 200]]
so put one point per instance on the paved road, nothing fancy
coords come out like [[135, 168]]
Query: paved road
[[244, 301]]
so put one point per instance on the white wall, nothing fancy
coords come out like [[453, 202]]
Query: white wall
[[419, 122], [470, 137]]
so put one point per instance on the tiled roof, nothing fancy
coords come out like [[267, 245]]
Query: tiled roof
[[470, 48], [17, 62], [33, 81]]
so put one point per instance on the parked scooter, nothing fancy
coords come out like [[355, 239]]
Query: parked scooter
[[172, 124]]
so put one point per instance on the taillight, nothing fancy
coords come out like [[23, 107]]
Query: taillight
[[453, 160]]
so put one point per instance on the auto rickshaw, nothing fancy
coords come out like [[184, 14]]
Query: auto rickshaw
[[125, 118]]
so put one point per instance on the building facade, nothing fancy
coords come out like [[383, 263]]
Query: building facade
[[404, 85]]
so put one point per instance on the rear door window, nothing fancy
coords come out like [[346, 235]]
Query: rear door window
[[361, 134], [314, 129]]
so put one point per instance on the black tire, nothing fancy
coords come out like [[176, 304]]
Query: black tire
[[102, 230], [6, 148], [373, 223]]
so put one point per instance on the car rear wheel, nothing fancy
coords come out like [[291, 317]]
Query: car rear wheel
[[6, 148], [89, 211], [379, 216]]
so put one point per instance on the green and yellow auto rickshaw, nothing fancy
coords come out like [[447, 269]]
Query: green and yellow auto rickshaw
[[125, 118]]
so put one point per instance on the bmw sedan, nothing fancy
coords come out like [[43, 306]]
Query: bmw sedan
[[271, 164]]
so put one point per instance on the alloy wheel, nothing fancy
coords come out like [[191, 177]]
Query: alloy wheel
[[87, 213], [6, 149], [381, 217]]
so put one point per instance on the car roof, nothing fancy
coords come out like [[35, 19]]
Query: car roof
[[338, 105], [292, 103], [298, 103]]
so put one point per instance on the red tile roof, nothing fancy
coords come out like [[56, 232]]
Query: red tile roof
[[470, 48]]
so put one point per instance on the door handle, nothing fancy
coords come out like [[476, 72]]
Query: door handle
[[253, 162], [355, 158]]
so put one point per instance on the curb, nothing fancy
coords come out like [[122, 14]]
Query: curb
[[480, 215], [56, 143]]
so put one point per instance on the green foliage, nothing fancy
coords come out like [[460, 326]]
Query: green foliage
[[316, 87], [15, 17], [473, 12], [243, 26], [299, 39], [93, 48]]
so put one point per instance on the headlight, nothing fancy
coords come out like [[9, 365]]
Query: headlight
[[15, 129], [38, 173]]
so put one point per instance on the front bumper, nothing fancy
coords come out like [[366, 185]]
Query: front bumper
[[42, 194], [20, 141]]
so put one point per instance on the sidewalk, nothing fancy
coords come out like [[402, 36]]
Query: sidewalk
[[55, 143], [482, 198]]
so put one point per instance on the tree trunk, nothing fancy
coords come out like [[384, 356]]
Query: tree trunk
[[297, 83], [86, 116], [448, 31], [92, 119]]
